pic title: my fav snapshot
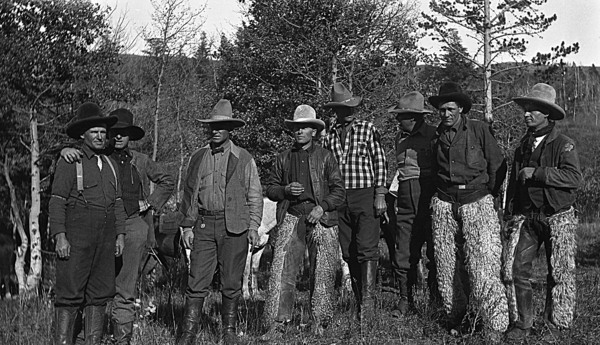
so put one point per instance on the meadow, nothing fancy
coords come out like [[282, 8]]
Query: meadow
[[160, 308]]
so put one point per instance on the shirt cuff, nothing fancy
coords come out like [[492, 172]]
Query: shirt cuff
[[381, 190]]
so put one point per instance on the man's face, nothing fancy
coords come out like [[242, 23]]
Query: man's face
[[219, 133], [450, 113], [343, 113], [304, 134], [121, 138], [535, 117], [406, 124], [95, 138]]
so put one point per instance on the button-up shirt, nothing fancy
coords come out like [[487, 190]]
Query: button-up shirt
[[414, 157], [361, 159], [211, 195]]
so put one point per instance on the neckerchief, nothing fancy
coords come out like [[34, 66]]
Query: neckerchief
[[529, 139]]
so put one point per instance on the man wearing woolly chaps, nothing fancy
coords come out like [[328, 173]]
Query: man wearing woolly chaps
[[308, 187], [543, 181], [469, 170]]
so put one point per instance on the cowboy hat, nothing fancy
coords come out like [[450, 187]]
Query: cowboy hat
[[223, 114], [305, 114], [451, 92], [544, 96], [341, 97], [125, 122], [410, 105], [88, 115]]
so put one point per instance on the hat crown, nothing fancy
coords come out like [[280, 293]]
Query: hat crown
[[449, 88], [543, 92], [124, 116], [88, 110], [339, 93], [304, 112], [222, 110], [412, 100]]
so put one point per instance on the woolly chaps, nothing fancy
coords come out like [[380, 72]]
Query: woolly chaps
[[322, 271], [562, 259], [472, 244]]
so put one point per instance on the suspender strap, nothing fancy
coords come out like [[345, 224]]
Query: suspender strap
[[79, 168], [113, 170]]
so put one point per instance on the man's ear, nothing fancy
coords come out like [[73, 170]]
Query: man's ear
[[314, 132]]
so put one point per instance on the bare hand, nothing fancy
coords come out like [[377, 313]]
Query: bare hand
[[63, 247], [315, 215], [526, 173], [71, 155], [188, 238], [119, 244], [379, 204], [253, 238], [294, 188]]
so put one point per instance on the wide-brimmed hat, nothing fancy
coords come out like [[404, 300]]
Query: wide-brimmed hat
[[222, 113], [305, 114], [342, 97], [451, 92], [125, 121], [410, 105], [88, 115], [543, 95]]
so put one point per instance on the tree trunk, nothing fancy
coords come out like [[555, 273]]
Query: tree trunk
[[487, 64], [161, 73], [35, 266], [15, 216], [181, 155]]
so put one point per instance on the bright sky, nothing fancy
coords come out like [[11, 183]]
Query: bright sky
[[577, 22]]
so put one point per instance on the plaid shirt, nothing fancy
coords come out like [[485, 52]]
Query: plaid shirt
[[362, 159]]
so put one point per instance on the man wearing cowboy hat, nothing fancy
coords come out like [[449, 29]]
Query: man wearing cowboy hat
[[136, 170], [469, 170], [357, 148], [543, 181], [307, 185], [222, 208], [86, 216], [414, 189]]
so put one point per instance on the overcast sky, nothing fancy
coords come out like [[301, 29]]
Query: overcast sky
[[578, 21]]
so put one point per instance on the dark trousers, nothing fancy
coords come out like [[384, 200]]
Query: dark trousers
[[359, 229], [534, 232], [128, 267], [413, 229], [214, 245], [88, 275]]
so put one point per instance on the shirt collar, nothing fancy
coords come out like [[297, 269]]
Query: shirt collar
[[89, 153]]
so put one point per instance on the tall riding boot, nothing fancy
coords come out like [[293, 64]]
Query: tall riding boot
[[191, 320], [404, 292], [369, 278], [122, 332], [94, 323], [64, 321], [229, 318], [356, 279]]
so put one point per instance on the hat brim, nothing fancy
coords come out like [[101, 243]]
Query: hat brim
[[405, 111], [77, 128], [235, 123], [555, 111], [463, 99], [315, 123], [351, 103], [134, 132]]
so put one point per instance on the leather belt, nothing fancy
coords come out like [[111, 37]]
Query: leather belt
[[210, 213]]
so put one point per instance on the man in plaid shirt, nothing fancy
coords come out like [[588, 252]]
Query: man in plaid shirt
[[357, 148]]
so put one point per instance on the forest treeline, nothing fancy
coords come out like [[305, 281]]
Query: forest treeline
[[56, 55]]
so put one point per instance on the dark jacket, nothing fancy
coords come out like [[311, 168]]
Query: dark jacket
[[243, 192], [148, 171], [473, 160], [557, 173], [325, 177], [413, 153]]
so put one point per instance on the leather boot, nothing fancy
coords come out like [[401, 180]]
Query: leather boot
[[229, 318], [64, 322], [122, 332], [94, 323], [368, 278], [191, 320], [356, 280], [404, 293]]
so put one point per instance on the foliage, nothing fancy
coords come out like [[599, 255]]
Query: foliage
[[289, 52]]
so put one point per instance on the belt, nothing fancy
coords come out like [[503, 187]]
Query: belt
[[210, 213], [457, 187]]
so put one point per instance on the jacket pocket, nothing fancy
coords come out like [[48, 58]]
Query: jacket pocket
[[475, 156]]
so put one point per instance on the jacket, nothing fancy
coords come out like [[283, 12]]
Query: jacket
[[150, 171], [413, 153], [243, 192], [472, 159], [326, 180], [558, 173]]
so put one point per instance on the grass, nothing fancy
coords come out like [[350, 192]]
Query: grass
[[160, 310]]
